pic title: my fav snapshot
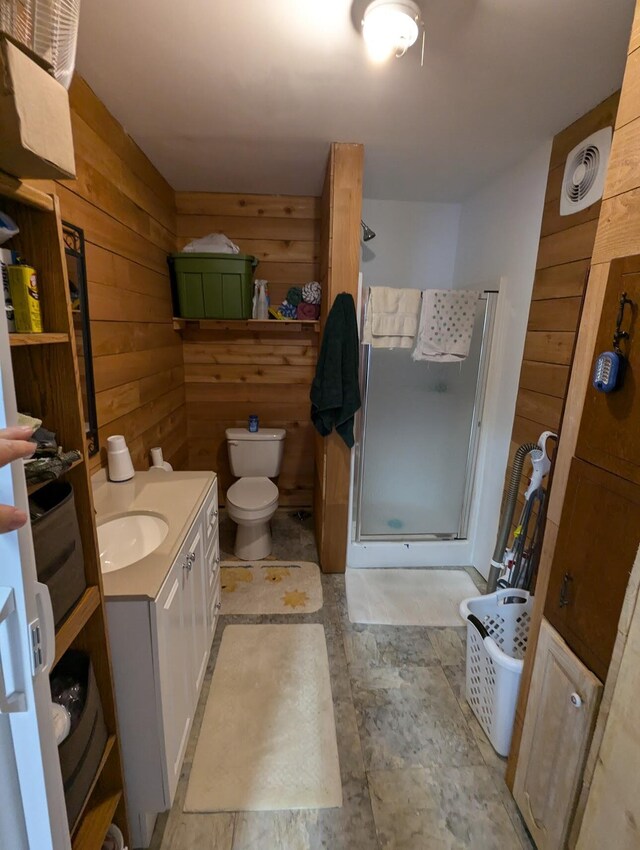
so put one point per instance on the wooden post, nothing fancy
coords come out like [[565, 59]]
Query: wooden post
[[339, 270]]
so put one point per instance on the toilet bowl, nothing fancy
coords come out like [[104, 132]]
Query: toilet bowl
[[251, 502], [255, 458]]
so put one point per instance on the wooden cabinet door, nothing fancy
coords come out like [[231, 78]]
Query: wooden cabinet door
[[173, 642], [197, 625], [561, 712], [609, 434], [596, 547]]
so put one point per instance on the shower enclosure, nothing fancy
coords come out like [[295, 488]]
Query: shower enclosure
[[417, 440]]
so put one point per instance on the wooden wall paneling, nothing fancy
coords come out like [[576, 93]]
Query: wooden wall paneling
[[630, 94], [127, 211], [580, 376], [565, 281], [598, 557], [251, 206], [342, 203], [558, 349], [614, 794], [608, 435], [232, 372]]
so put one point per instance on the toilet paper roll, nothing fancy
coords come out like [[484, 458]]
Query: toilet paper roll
[[61, 722]]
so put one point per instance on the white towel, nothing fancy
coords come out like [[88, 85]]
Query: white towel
[[446, 325], [392, 317]]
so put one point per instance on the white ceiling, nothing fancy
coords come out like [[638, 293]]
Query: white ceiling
[[245, 95]]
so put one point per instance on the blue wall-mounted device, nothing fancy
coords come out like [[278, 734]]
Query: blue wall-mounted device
[[607, 371]]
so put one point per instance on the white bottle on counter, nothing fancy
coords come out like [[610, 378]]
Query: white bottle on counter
[[118, 459], [158, 461]]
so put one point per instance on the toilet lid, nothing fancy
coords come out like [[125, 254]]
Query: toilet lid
[[252, 493]]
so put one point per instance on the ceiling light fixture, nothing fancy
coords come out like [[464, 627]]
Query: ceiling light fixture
[[391, 27]]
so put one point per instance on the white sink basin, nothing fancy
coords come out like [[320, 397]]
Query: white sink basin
[[126, 539]]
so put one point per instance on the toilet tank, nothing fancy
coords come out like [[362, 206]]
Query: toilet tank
[[255, 454]]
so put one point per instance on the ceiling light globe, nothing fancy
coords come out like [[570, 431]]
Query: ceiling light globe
[[390, 26]]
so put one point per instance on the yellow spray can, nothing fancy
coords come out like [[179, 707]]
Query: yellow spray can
[[23, 286]]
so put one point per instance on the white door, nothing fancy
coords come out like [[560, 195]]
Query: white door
[[173, 640], [199, 627], [32, 811]]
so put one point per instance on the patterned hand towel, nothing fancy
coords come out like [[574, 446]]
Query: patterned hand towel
[[446, 325], [392, 317]]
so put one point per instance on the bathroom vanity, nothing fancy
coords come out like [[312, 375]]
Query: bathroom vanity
[[162, 612]]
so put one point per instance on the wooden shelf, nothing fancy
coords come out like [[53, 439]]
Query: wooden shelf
[[12, 187], [262, 325], [94, 827], [33, 488], [97, 812], [16, 339], [76, 620]]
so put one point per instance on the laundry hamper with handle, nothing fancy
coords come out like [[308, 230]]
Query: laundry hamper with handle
[[497, 633]]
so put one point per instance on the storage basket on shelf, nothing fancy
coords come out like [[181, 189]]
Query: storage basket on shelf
[[57, 546], [213, 286], [497, 634], [81, 752]]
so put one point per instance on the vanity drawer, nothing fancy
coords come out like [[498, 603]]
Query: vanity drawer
[[211, 515]]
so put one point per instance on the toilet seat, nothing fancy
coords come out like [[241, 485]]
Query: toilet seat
[[253, 494]]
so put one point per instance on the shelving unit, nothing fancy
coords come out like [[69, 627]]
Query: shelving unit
[[33, 488], [257, 325], [37, 339], [76, 620], [47, 384]]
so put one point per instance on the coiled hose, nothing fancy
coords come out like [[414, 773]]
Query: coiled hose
[[507, 514]]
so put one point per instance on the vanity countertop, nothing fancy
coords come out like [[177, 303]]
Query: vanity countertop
[[176, 496]]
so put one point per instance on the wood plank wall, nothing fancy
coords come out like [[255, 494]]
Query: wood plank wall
[[232, 373], [564, 257], [127, 211], [618, 235]]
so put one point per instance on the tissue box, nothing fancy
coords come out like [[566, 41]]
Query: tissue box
[[35, 120]]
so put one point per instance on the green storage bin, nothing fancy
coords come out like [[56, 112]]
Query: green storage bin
[[213, 286]]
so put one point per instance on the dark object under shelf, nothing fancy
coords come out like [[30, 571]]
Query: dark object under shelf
[[81, 752], [57, 546]]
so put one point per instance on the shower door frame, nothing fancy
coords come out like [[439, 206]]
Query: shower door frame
[[490, 297]]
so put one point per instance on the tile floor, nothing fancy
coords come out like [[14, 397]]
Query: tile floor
[[417, 771]]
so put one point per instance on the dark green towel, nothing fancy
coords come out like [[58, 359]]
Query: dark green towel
[[335, 391]]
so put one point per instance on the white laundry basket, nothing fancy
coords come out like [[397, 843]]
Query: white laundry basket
[[495, 654]]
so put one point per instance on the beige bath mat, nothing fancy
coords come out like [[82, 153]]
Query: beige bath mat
[[396, 597], [270, 587], [268, 737]]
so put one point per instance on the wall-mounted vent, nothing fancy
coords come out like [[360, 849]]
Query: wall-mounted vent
[[584, 173]]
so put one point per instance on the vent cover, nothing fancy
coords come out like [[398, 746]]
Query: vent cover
[[584, 173]]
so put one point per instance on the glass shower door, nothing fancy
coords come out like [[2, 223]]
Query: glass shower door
[[418, 440]]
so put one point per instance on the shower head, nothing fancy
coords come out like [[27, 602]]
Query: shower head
[[367, 232]]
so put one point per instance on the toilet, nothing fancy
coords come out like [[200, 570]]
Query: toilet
[[255, 458]]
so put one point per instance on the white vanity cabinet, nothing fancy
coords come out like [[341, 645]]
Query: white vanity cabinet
[[160, 649]]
